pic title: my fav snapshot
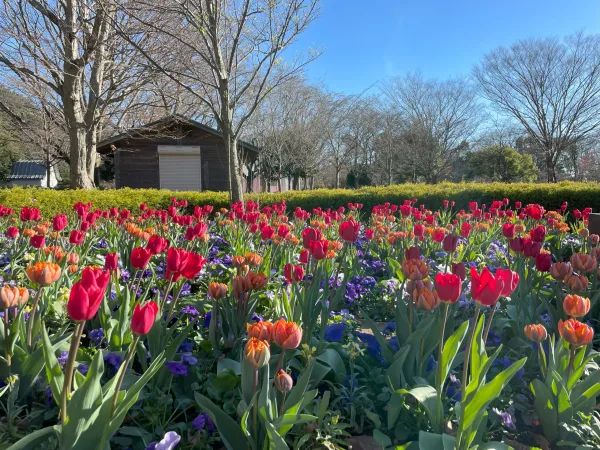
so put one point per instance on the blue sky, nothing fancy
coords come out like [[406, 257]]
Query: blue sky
[[368, 40]]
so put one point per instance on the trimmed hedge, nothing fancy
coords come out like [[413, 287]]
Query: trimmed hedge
[[551, 196]]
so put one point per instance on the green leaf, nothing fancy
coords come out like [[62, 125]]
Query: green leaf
[[449, 352], [34, 440], [53, 371], [426, 396], [276, 442], [85, 399], [546, 409], [333, 359], [488, 392], [231, 434], [295, 395], [431, 441], [478, 357], [381, 438]]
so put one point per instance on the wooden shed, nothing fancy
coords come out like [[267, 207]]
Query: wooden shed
[[174, 153]]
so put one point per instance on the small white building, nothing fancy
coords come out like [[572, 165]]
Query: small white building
[[31, 173]]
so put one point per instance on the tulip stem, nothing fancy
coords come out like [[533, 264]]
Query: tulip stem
[[173, 302], [440, 382], [488, 325], [280, 364], [7, 339], [468, 353], [122, 374], [69, 369], [32, 316], [571, 360], [255, 406]]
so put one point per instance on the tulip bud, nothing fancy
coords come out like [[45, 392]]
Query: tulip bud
[[576, 306], [576, 283], [9, 296], [257, 352], [73, 258], [238, 261], [283, 381], [426, 299], [536, 333], [217, 290]]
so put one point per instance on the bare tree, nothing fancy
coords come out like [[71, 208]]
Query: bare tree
[[232, 55], [442, 117], [551, 87]]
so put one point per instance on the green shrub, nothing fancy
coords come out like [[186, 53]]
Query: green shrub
[[551, 196]]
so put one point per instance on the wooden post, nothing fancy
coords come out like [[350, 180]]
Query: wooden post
[[594, 223]]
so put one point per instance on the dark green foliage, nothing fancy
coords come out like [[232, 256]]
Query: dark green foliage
[[498, 163]]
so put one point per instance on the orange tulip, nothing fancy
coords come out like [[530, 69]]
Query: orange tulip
[[561, 270], [575, 332], [286, 335], [577, 283], [9, 296], [257, 352], [73, 258], [414, 269], [536, 332], [253, 259], [256, 280], [426, 299], [260, 330], [217, 290], [576, 306], [583, 263], [240, 285], [43, 273], [238, 261], [23, 295]]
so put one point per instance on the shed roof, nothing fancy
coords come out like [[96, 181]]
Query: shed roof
[[28, 170], [104, 146]]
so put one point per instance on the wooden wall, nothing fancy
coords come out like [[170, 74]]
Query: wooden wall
[[136, 160]]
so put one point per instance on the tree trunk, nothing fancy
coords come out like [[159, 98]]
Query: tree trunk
[[550, 168], [337, 178]]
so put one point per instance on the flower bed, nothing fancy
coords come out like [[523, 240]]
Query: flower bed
[[256, 326]]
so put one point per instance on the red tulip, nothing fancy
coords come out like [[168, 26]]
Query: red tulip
[[87, 294], [486, 288], [84, 226], [531, 248], [439, 236], [517, 244], [369, 234], [318, 249], [143, 318], [311, 234], [538, 234], [157, 244], [412, 253], [419, 230], [304, 256], [510, 279], [76, 237], [111, 261], [448, 287], [283, 231], [349, 230], [37, 241], [193, 265], [508, 230], [267, 233], [12, 232], [465, 229], [176, 260], [460, 270], [59, 222], [140, 257], [473, 206], [450, 243], [543, 262]]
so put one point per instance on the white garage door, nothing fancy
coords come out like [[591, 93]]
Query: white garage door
[[180, 168]]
